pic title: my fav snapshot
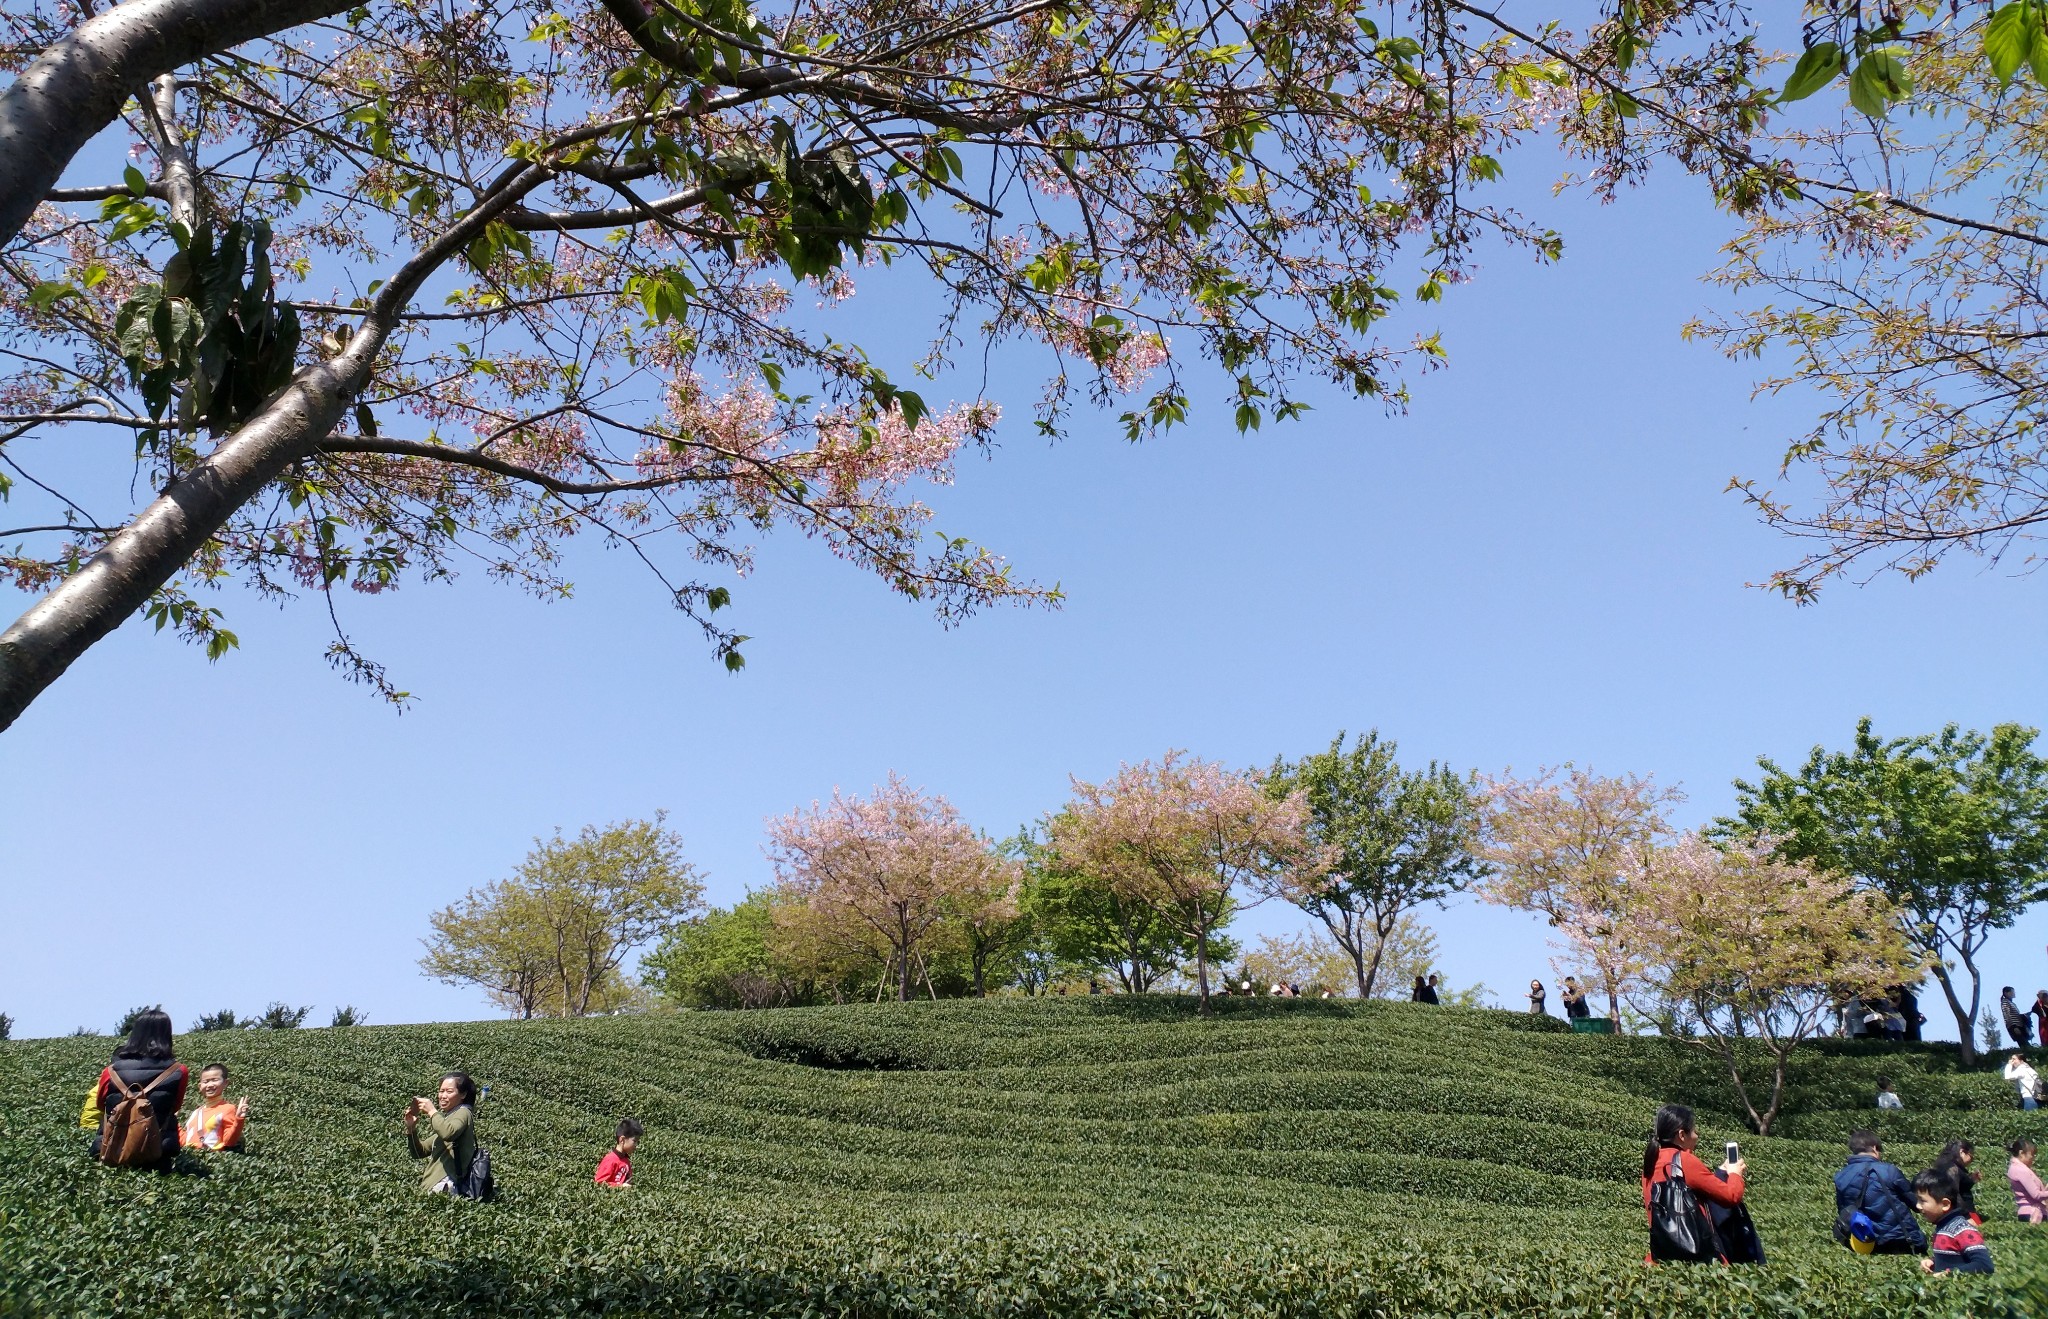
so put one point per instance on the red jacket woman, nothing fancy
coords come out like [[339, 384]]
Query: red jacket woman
[[1673, 1142]]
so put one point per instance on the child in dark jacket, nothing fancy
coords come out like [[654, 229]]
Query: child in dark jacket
[[1958, 1245]]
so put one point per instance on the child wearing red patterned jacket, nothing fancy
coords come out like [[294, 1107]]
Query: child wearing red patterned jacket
[[616, 1168], [1958, 1244]]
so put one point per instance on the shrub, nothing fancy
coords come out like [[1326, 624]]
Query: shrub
[[280, 1016], [6, 1027], [224, 1019], [348, 1015]]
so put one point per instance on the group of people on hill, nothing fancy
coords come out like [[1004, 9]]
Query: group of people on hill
[[1571, 993], [1696, 1213], [132, 1112], [2028, 1026]]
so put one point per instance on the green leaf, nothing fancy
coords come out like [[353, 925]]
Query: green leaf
[[50, 292], [366, 421], [2009, 38], [1880, 79], [137, 184], [1819, 66]]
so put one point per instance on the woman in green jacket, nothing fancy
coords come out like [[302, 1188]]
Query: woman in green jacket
[[450, 1136]]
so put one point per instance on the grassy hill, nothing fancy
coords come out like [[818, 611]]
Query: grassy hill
[[1092, 1157]]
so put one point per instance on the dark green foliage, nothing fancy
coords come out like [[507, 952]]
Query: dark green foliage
[[225, 1019], [212, 329], [281, 1016], [348, 1015], [1089, 928], [1112, 1156], [722, 960], [127, 1022]]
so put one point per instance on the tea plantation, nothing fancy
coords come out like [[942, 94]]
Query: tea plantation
[[1071, 1157]]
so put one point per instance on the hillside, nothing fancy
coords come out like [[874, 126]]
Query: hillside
[[1067, 1157]]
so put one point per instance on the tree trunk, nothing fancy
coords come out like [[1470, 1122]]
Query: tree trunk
[[78, 86], [118, 581], [1966, 1017], [149, 551], [1202, 963]]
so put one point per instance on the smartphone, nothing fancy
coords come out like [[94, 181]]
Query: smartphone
[[1734, 1152]]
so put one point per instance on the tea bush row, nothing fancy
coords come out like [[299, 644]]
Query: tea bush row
[[1071, 1157]]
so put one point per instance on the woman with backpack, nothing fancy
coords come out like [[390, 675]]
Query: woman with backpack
[[1678, 1187], [139, 1095], [450, 1144]]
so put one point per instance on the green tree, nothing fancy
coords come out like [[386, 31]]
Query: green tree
[[1088, 925], [1952, 827], [1399, 840], [728, 958], [550, 940]]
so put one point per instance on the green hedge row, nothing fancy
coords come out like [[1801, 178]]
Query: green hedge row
[[1070, 1157]]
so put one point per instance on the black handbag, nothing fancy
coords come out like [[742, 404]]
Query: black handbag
[[1680, 1231]]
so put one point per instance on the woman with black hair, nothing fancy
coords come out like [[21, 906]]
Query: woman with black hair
[[1669, 1156], [450, 1146], [144, 1066], [1955, 1159]]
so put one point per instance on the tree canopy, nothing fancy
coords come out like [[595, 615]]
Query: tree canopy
[[1399, 839], [550, 939], [1951, 827]]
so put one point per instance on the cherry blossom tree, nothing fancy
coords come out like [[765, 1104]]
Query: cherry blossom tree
[[391, 290], [1189, 839], [886, 871], [1761, 950], [1565, 844]]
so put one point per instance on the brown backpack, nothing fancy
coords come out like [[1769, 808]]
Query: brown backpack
[[129, 1136]]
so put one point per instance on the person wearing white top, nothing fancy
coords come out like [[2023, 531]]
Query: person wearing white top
[[2026, 1078], [1886, 1096]]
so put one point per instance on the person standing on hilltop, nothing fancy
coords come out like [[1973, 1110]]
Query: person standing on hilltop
[[1574, 997], [1536, 997], [2017, 1023]]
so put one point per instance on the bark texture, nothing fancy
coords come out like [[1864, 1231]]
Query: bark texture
[[77, 87]]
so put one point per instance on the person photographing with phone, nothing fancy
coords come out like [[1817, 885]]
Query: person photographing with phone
[[1678, 1189], [449, 1141]]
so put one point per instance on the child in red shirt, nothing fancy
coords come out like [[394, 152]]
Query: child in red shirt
[[616, 1168]]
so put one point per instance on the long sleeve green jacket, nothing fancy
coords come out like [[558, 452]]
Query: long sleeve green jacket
[[447, 1141]]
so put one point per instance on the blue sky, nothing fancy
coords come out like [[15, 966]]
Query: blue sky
[[1537, 565]]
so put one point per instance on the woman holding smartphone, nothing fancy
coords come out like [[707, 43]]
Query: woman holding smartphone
[[450, 1137], [1672, 1141]]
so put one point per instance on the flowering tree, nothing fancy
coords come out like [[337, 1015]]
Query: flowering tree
[[1089, 924], [888, 870], [1760, 949], [392, 289], [1565, 844], [1401, 839], [1188, 839], [1951, 827]]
